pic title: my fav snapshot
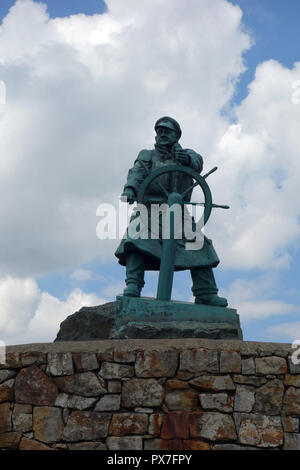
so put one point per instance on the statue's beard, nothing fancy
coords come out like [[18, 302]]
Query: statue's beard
[[160, 143]]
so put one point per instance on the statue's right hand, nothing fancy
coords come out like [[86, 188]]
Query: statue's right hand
[[128, 196]]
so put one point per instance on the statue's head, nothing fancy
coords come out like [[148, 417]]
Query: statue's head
[[168, 131]]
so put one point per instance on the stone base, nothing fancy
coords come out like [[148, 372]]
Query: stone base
[[156, 319]]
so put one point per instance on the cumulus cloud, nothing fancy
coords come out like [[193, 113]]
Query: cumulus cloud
[[260, 170], [290, 331], [83, 93], [254, 299], [28, 315]]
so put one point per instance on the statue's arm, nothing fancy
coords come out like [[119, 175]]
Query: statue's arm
[[196, 161], [138, 173]]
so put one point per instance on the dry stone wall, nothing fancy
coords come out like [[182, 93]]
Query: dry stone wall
[[188, 394]]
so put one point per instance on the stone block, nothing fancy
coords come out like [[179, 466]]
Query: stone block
[[20, 408], [268, 398], [175, 425], [232, 447], [128, 423], [84, 383], [199, 360], [213, 383], [124, 443], [85, 361], [22, 422], [60, 364], [290, 424], [31, 444], [5, 418], [6, 391], [34, 387], [109, 403], [88, 324], [141, 409], [86, 426], [248, 366], [111, 370], [182, 399], [291, 441], [12, 361], [291, 401], [87, 446], [33, 357], [114, 386], [7, 374], [230, 362], [124, 356], [244, 399], [155, 422], [213, 426], [193, 444], [47, 424], [216, 401], [156, 364], [292, 380], [75, 401], [151, 318], [10, 440], [270, 365], [163, 444], [142, 392], [261, 431], [249, 380]]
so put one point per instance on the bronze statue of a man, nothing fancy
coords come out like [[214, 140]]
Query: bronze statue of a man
[[141, 254]]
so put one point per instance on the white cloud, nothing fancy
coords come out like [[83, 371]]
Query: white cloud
[[254, 299], [83, 93], [288, 330], [259, 174], [82, 275], [28, 315], [51, 312]]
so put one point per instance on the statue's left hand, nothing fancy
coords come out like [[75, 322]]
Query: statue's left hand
[[182, 157], [128, 196]]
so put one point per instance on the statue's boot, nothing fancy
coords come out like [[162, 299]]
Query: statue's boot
[[132, 290], [205, 289], [135, 271], [211, 299]]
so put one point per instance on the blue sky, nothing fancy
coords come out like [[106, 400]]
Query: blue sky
[[63, 7], [273, 28]]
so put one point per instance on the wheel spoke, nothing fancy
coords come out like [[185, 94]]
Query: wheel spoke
[[163, 190], [210, 172], [204, 204], [159, 184], [195, 203], [189, 189]]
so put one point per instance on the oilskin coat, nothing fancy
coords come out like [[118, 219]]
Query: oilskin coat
[[151, 160]]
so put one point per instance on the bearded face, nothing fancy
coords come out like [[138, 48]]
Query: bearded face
[[166, 136]]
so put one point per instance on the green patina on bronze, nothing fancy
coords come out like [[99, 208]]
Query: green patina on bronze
[[167, 175], [151, 318]]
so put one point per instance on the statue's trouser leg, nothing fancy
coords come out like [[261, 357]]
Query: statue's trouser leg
[[135, 269], [205, 289], [203, 282]]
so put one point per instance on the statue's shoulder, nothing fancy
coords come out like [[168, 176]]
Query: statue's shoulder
[[145, 155], [193, 153]]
